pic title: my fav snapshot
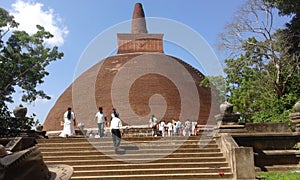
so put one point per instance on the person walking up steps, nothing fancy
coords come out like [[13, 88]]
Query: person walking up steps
[[100, 117], [115, 129], [69, 123]]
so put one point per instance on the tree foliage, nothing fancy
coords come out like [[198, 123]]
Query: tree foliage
[[218, 84], [263, 69], [23, 59], [291, 34]]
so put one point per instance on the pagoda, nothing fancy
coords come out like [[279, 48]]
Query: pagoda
[[140, 80]]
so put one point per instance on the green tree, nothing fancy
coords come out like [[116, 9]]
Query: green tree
[[23, 59], [291, 32], [218, 84], [262, 73]]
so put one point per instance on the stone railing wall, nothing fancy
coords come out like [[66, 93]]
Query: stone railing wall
[[238, 157], [269, 127], [272, 149]]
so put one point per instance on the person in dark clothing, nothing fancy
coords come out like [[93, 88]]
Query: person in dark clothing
[[115, 129]]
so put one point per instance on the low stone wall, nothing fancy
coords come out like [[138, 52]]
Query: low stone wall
[[268, 127], [267, 141], [238, 157], [271, 149]]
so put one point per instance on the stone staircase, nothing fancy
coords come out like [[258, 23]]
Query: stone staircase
[[194, 157]]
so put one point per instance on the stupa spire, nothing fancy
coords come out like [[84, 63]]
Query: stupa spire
[[139, 40], [138, 20]]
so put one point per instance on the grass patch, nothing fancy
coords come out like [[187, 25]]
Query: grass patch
[[278, 175]]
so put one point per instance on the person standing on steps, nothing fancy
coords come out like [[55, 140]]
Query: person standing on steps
[[174, 128], [170, 128], [161, 128], [188, 127], [194, 128], [178, 128], [69, 123], [115, 129], [153, 124], [100, 117]]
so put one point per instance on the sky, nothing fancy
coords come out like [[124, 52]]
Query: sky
[[76, 24]]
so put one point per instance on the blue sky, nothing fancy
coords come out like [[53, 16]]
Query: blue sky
[[76, 23]]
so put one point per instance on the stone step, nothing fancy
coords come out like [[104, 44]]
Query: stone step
[[157, 170], [151, 165], [134, 155], [140, 147], [138, 158], [134, 160], [100, 154], [193, 175], [127, 147], [109, 143], [94, 151], [131, 139], [104, 141]]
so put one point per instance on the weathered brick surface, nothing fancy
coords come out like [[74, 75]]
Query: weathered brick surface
[[94, 88], [130, 43]]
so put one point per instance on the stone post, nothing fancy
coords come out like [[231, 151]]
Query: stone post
[[20, 111], [227, 120], [295, 117], [80, 129]]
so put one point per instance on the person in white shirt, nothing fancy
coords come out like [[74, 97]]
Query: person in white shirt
[[161, 128], [188, 127], [174, 127], [100, 117], [115, 129], [69, 123], [170, 128]]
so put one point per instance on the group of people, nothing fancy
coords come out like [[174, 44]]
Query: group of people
[[159, 128], [114, 125], [173, 127]]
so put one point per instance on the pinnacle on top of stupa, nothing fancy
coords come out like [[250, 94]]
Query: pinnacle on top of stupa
[[139, 40], [138, 20]]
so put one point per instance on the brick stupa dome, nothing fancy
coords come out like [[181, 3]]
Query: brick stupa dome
[[140, 80]]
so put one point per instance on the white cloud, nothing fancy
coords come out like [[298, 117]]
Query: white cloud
[[30, 13]]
